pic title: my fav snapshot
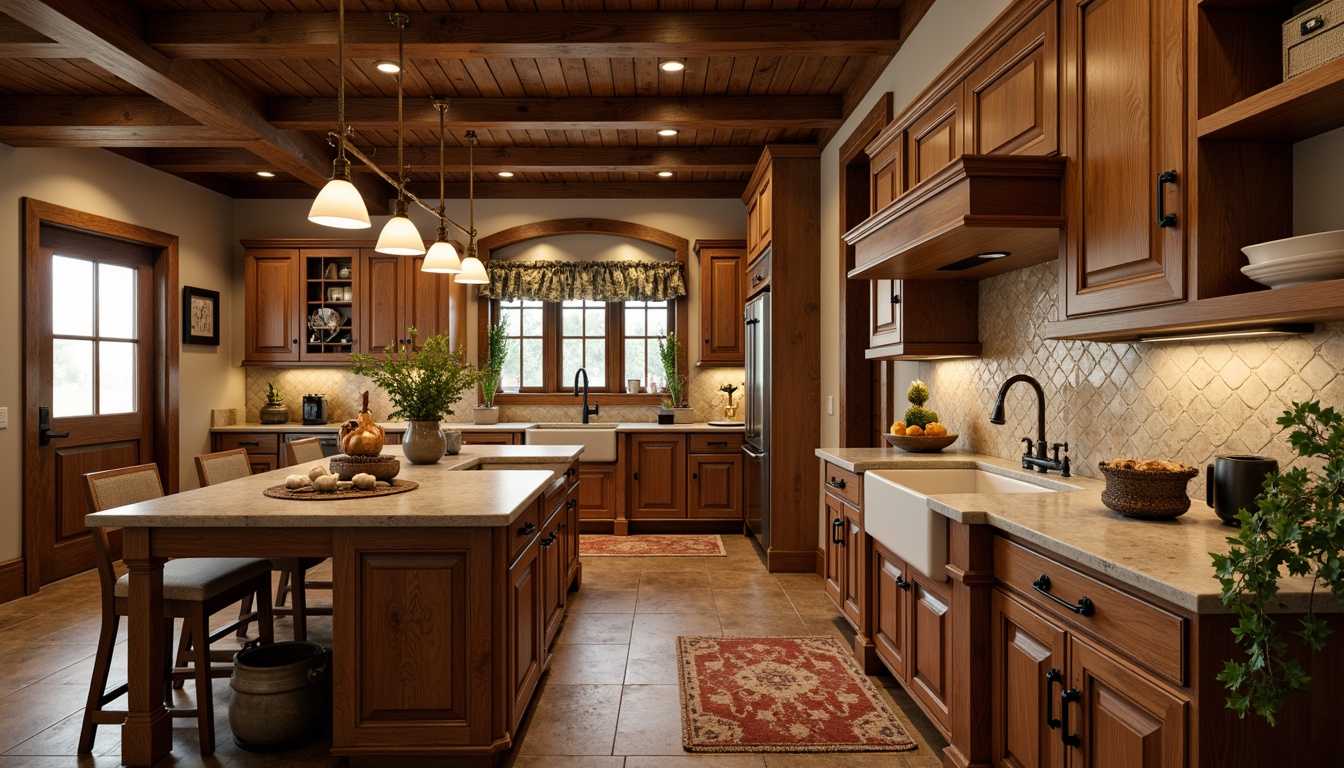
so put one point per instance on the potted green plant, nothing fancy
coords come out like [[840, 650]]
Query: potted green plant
[[274, 411], [496, 345], [423, 385], [674, 401], [1297, 528]]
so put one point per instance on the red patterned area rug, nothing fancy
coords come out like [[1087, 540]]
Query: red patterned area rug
[[780, 694], [650, 545]]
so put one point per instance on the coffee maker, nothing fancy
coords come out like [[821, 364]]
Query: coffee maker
[[314, 409]]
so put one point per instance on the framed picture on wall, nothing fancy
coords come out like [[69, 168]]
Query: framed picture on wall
[[200, 316]]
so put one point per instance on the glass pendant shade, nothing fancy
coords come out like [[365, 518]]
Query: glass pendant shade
[[473, 272], [442, 257], [400, 238], [339, 205]]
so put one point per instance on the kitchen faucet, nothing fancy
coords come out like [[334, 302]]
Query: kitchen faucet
[[1039, 461], [586, 410]]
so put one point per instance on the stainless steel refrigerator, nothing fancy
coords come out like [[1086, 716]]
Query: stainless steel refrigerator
[[757, 416]]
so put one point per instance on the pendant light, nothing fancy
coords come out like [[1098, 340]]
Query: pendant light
[[473, 271], [339, 204], [399, 236], [442, 256]]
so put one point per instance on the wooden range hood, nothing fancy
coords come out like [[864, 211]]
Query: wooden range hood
[[976, 204]]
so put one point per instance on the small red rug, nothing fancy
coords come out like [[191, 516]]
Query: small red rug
[[651, 546], [780, 694]]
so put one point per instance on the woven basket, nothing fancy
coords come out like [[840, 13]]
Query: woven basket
[[382, 467], [1147, 495]]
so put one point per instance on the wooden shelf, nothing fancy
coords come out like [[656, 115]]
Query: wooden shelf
[[1311, 303], [1308, 105]]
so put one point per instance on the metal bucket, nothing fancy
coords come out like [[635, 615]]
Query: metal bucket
[[281, 695]]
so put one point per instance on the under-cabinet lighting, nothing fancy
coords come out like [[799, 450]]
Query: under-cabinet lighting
[[668, 132], [672, 65], [994, 255], [390, 67], [1293, 329], [266, 174], [665, 174], [506, 174]]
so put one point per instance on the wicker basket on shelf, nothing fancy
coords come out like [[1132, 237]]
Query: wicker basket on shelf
[[1146, 494]]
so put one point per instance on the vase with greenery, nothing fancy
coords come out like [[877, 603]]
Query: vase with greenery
[[674, 402], [274, 411], [423, 386], [1296, 529], [496, 346]]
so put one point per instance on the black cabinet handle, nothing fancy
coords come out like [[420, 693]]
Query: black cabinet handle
[[550, 540], [756, 279], [695, 475], [895, 298], [834, 483], [527, 530], [1065, 699], [902, 583], [1052, 677], [569, 472], [634, 475], [1164, 219], [718, 444], [293, 341], [572, 503], [836, 536], [249, 443], [1083, 608]]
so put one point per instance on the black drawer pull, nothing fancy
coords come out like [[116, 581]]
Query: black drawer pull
[[1052, 677], [718, 444], [1066, 698], [902, 583], [569, 472], [527, 530], [550, 540], [249, 443], [571, 504], [1083, 608], [895, 298], [1164, 219], [836, 483]]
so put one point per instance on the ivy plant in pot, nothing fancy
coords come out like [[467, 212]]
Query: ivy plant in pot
[[674, 403], [496, 345], [1296, 529], [274, 411], [423, 386]]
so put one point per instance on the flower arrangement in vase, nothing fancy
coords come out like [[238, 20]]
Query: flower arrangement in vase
[[729, 410]]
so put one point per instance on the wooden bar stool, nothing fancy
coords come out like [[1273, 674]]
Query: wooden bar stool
[[194, 589]]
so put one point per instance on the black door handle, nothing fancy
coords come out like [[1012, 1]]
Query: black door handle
[[1164, 219], [902, 583], [1083, 608], [527, 530], [1066, 698], [572, 503], [1052, 677], [895, 298], [44, 433], [835, 527]]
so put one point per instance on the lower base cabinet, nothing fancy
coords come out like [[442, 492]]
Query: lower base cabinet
[[597, 494], [911, 632]]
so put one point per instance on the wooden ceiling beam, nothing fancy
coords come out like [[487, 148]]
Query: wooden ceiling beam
[[20, 42], [92, 111], [222, 160], [527, 190], [530, 35], [649, 113], [106, 137]]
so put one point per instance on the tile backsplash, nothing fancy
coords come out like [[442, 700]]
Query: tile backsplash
[[343, 391], [1179, 401]]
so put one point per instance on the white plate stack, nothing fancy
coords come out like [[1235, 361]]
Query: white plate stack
[[1296, 260]]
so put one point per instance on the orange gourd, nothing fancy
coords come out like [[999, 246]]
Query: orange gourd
[[362, 437]]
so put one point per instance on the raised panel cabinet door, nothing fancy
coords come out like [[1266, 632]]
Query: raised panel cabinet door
[[722, 294], [1013, 97], [271, 304], [1027, 677], [885, 325], [891, 599], [525, 631], [1125, 130], [433, 303], [856, 574], [1120, 717], [934, 139], [835, 567], [888, 172], [554, 568], [715, 490], [930, 648], [658, 476], [764, 212], [597, 492], [260, 462], [380, 320]]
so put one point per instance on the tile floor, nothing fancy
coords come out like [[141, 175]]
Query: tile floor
[[610, 699]]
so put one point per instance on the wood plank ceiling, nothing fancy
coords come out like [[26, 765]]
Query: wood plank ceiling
[[567, 95]]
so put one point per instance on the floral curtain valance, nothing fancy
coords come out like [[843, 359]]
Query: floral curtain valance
[[592, 280]]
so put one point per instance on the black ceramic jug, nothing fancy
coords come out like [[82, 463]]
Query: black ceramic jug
[[1233, 482]]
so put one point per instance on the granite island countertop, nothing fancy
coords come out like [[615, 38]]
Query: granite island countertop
[[1168, 559], [508, 426], [447, 496]]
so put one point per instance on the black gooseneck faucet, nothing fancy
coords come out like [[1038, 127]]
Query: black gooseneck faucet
[[586, 410], [1039, 461]]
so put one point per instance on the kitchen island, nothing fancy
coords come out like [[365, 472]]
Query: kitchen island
[[445, 598]]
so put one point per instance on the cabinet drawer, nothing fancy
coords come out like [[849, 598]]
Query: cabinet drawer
[[523, 531], [257, 442], [731, 443], [1150, 636], [844, 484], [554, 496], [758, 274]]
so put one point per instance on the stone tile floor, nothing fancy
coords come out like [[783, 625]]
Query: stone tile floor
[[609, 700]]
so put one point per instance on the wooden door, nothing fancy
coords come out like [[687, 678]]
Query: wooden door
[[891, 599], [381, 287], [885, 322], [271, 305], [1027, 677], [554, 568], [91, 351], [658, 476], [764, 212], [525, 630], [722, 294], [888, 175], [930, 647], [597, 492], [856, 563], [934, 139], [1125, 117], [1122, 719], [715, 486], [835, 566], [1012, 99]]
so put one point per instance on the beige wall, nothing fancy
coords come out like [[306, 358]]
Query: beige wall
[[108, 185]]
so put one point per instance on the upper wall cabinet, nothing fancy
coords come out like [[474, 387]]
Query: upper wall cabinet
[[722, 292], [1012, 98]]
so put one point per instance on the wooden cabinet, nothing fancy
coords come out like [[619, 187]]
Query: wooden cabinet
[[834, 567], [923, 319], [657, 476], [1012, 98], [759, 214], [934, 138], [929, 673], [474, 437], [714, 482], [1125, 129], [263, 448], [554, 568], [597, 492], [758, 275], [1027, 677], [525, 654], [722, 294], [395, 295], [271, 305], [846, 554], [886, 164], [891, 610]]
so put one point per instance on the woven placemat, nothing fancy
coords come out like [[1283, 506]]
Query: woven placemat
[[309, 494]]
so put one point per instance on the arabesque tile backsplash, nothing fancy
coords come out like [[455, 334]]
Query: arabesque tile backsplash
[[1179, 401]]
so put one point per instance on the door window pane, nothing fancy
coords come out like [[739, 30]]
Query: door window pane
[[72, 299], [116, 377], [116, 301], [71, 377]]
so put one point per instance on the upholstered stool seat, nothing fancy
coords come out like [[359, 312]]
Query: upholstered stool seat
[[201, 578]]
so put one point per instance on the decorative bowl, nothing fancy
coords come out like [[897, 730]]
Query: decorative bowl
[[920, 443], [346, 467], [1146, 495], [1288, 247]]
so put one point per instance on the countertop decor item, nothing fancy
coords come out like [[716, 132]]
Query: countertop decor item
[[362, 436], [1295, 528], [729, 410], [281, 694], [920, 443], [669, 351], [344, 491], [382, 467], [274, 411], [200, 316], [920, 432], [496, 345], [1152, 492]]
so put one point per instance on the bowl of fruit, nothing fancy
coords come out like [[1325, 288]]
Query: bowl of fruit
[[920, 431]]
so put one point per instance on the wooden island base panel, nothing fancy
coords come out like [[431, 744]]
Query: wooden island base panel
[[446, 599]]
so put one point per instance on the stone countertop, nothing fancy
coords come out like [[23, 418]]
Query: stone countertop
[[447, 496], [1168, 559], [510, 426]]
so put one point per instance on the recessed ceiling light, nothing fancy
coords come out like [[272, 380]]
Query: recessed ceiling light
[[672, 65], [266, 174], [668, 132], [506, 174], [665, 174], [390, 67]]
